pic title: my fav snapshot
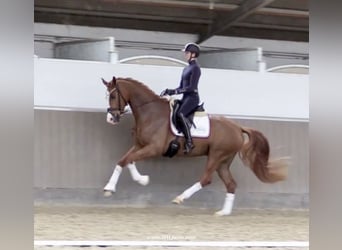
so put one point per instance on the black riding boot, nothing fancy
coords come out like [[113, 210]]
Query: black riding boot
[[188, 146]]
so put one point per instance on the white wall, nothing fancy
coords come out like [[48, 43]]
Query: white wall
[[77, 85]]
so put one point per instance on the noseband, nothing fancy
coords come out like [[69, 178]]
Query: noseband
[[119, 96]]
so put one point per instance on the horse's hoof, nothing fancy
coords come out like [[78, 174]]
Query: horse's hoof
[[107, 193], [144, 180], [222, 213], [177, 200]]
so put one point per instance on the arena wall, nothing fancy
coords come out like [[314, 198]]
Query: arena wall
[[75, 153]]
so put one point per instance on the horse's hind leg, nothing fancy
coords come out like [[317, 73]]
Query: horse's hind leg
[[227, 178], [212, 164]]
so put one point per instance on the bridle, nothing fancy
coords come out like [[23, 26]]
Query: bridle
[[120, 109]]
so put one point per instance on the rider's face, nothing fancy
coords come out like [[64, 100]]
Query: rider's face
[[187, 55]]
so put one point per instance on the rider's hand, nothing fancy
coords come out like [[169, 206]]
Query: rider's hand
[[168, 92]]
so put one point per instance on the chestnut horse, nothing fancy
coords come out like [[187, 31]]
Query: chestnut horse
[[153, 135]]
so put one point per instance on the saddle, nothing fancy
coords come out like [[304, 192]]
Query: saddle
[[175, 105], [198, 121]]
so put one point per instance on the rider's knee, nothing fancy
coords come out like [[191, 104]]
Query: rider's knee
[[180, 114]]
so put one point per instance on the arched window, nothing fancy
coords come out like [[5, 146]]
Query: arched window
[[154, 60], [294, 69]]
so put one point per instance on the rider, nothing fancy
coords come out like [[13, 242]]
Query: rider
[[188, 87]]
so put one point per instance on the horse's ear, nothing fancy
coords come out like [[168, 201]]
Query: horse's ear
[[104, 82], [114, 80]]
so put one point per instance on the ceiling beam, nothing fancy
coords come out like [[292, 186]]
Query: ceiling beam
[[246, 8], [273, 26], [283, 12], [137, 16], [117, 22]]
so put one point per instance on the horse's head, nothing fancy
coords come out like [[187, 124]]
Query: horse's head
[[117, 101]]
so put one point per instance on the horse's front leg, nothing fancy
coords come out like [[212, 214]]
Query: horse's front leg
[[111, 184], [136, 176], [134, 154], [110, 187]]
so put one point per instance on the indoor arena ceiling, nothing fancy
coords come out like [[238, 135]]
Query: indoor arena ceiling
[[267, 19]]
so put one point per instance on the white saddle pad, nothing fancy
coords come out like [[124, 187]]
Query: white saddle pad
[[201, 128]]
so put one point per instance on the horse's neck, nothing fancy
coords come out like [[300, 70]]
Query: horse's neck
[[145, 105], [139, 96]]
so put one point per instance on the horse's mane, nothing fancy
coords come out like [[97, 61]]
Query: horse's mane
[[139, 83]]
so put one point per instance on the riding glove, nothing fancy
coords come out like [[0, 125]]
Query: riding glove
[[168, 92]]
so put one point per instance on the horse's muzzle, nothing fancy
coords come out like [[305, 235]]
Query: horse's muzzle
[[113, 117]]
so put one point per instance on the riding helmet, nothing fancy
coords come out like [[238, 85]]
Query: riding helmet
[[193, 48]]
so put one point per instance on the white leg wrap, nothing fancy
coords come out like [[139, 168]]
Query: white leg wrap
[[142, 179], [134, 171], [111, 185], [228, 205], [190, 191]]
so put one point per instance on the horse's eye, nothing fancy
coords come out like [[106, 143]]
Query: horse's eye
[[112, 97]]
